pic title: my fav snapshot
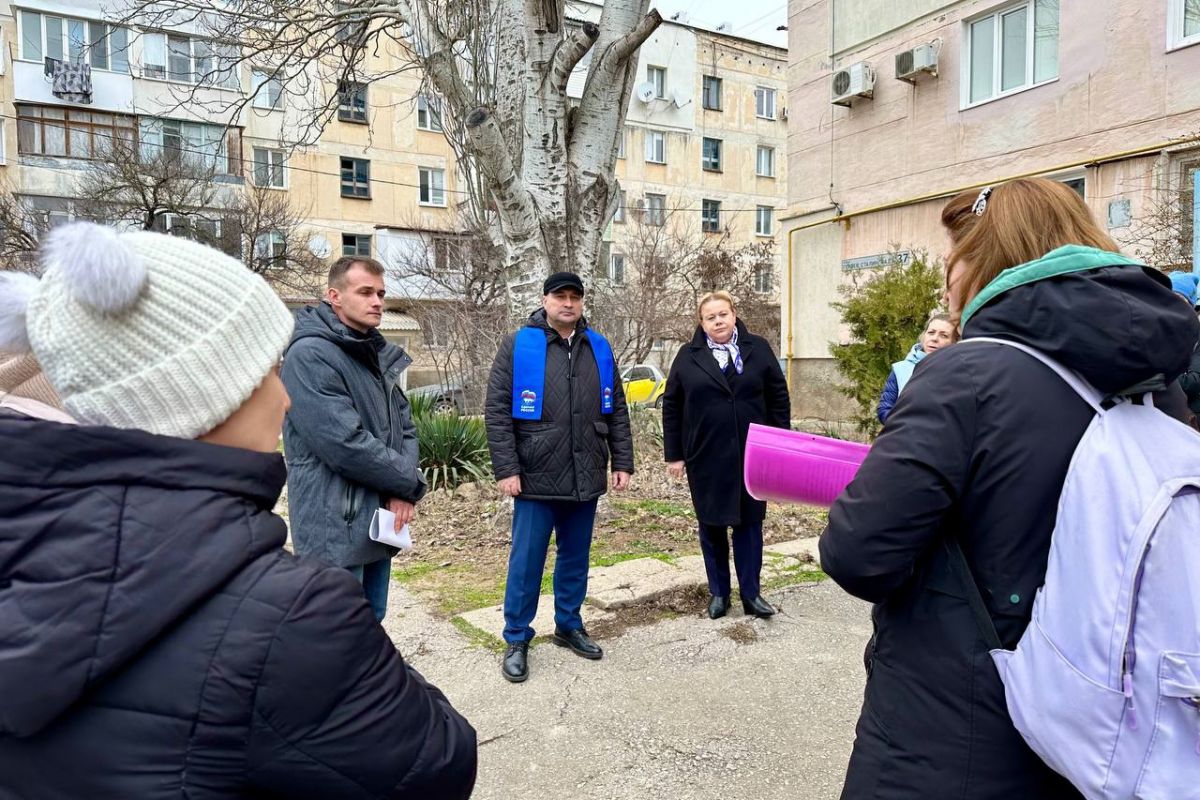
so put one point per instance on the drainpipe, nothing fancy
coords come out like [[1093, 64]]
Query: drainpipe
[[1195, 222]]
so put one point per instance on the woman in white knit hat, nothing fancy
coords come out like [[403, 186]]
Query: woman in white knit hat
[[155, 639]]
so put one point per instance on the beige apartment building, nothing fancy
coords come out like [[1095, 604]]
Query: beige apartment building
[[704, 149], [898, 105]]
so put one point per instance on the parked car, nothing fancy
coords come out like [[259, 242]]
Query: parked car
[[644, 385], [447, 396]]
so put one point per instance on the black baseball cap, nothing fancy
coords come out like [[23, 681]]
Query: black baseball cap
[[562, 280]]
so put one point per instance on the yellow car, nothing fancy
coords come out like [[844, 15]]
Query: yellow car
[[644, 385]]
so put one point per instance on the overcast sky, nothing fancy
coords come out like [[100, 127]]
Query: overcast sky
[[753, 19]]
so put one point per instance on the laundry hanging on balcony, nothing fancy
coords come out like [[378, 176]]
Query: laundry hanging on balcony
[[70, 81]]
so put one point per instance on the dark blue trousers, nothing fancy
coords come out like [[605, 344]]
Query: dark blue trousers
[[747, 558], [533, 521]]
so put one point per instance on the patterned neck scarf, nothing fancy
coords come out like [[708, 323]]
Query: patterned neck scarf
[[724, 352]]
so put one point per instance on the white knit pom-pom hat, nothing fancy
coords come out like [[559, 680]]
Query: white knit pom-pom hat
[[148, 331]]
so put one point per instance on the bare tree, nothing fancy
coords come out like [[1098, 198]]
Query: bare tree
[[1162, 236], [20, 232], [153, 188], [538, 169], [267, 232]]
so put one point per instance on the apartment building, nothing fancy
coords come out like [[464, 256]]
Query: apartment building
[[898, 105]]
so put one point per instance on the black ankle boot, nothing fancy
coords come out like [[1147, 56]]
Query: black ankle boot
[[718, 607], [758, 607]]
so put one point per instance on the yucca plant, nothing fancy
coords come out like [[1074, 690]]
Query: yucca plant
[[453, 449]]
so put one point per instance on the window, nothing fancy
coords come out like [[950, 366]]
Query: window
[[1183, 24], [270, 250], [189, 226], [433, 187], [206, 145], [616, 269], [712, 93], [1078, 185], [268, 91], [186, 60], [764, 165], [624, 135], [619, 214], [764, 278], [710, 216], [764, 102], [640, 374], [70, 133], [436, 329], [1011, 50], [658, 77], [710, 157], [349, 32], [656, 209], [268, 168], [352, 102], [656, 147], [356, 177], [429, 114], [354, 244], [67, 39], [764, 221]]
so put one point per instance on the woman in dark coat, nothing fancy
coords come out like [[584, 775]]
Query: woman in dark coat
[[976, 452], [724, 380]]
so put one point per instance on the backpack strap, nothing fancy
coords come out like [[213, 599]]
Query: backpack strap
[[962, 570], [1085, 390]]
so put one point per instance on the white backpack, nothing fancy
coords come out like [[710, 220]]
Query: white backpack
[[1105, 683]]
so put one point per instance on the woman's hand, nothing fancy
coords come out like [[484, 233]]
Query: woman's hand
[[675, 469]]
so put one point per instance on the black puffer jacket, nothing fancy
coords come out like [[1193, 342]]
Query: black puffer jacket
[[706, 419], [977, 449], [156, 641], [565, 454]]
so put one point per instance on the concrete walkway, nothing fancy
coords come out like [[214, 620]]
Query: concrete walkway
[[683, 708]]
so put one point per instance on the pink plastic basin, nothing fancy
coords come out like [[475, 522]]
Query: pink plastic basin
[[794, 467]]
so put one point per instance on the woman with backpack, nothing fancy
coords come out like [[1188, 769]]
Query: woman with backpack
[[975, 459], [940, 331]]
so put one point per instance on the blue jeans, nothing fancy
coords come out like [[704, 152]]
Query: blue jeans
[[375, 578], [533, 520], [747, 557]]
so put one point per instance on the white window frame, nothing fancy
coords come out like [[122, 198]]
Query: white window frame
[[711, 164], [619, 215], [769, 228], [656, 147], [231, 81], [275, 164], [86, 48], [997, 54], [427, 191], [357, 236], [429, 114], [613, 260], [270, 98], [762, 108], [623, 142], [1175, 26], [270, 247], [656, 216], [3, 151], [710, 215], [769, 271], [758, 158], [657, 76]]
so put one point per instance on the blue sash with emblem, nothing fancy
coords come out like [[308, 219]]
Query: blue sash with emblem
[[529, 372]]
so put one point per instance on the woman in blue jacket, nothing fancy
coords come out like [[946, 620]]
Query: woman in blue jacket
[[939, 332]]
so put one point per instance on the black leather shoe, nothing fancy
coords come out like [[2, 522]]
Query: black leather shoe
[[758, 607], [579, 641], [718, 607], [515, 667]]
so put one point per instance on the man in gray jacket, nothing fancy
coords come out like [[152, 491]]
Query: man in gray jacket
[[349, 438]]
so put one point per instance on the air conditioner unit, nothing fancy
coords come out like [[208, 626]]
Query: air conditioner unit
[[856, 80], [912, 64]]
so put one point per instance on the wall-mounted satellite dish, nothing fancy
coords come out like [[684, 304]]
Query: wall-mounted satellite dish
[[645, 92], [320, 247], [679, 98]]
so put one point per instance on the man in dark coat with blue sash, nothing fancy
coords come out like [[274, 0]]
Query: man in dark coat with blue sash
[[555, 412]]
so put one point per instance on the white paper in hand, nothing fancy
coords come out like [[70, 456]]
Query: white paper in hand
[[383, 530]]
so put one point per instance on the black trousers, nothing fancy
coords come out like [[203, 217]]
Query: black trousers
[[747, 558]]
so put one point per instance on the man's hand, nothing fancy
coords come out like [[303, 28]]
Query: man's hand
[[621, 481], [675, 469], [510, 487], [404, 511]]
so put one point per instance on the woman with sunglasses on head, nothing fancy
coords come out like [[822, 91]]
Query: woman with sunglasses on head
[[976, 453]]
